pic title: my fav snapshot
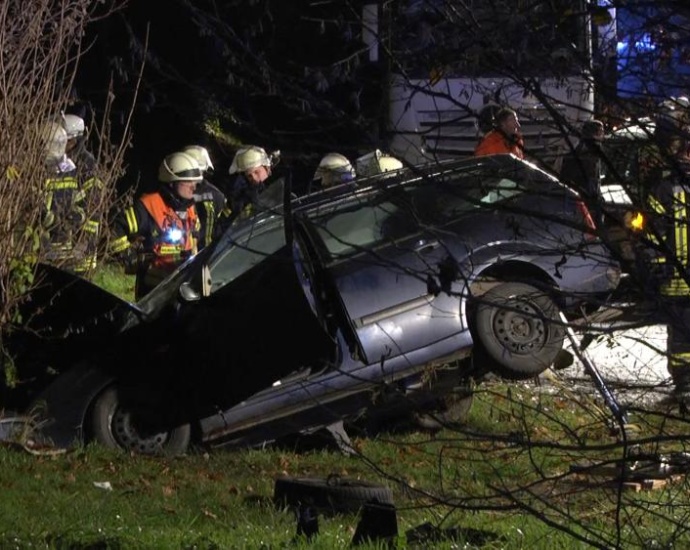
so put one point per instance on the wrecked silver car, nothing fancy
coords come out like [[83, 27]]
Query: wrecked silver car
[[319, 310]]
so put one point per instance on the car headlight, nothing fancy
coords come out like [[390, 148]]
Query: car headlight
[[634, 221]]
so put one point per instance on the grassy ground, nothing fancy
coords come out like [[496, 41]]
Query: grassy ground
[[111, 276], [503, 480]]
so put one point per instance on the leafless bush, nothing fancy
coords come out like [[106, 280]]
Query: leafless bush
[[41, 44]]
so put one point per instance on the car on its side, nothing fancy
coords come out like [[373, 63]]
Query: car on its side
[[319, 310]]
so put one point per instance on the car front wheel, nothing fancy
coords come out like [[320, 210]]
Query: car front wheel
[[117, 426], [518, 330]]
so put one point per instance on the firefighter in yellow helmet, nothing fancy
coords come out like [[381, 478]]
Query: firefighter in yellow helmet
[[333, 169], [253, 168], [159, 231], [210, 201]]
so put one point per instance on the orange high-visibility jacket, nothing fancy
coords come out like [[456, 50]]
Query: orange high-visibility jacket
[[495, 142]]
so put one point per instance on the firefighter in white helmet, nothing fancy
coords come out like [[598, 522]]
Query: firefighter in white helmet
[[253, 167], [333, 169], [63, 217], [210, 201], [159, 231], [92, 188], [75, 127], [376, 162]]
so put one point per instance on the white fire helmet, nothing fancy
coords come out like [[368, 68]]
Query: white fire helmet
[[179, 167], [73, 125], [201, 155], [376, 162], [54, 140], [334, 169], [248, 158]]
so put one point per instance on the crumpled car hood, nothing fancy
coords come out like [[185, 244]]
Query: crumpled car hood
[[63, 318], [63, 305]]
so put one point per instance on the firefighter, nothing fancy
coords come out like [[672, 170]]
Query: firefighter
[[333, 169], [669, 201], [253, 168], [92, 192], [159, 231], [64, 221], [505, 137], [210, 202]]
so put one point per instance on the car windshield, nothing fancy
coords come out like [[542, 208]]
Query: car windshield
[[243, 247], [378, 218]]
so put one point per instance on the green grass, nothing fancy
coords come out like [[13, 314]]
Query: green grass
[[112, 277], [506, 472]]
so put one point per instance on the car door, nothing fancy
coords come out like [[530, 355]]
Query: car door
[[254, 325], [386, 268]]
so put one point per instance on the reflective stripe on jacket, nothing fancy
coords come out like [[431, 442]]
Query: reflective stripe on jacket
[[671, 209]]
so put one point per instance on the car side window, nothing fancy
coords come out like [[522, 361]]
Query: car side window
[[243, 254], [459, 196], [355, 228], [500, 189]]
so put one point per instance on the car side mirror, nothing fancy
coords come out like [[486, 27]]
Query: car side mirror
[[187, 292]]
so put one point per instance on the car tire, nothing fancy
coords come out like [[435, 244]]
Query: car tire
[[453, 409], [113, 426], [518, 329], [334, 494]]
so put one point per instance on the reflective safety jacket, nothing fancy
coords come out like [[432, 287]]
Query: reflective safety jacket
[[496, 142], [210, 204], [670, 208], [92, 195], [66, 229], [164, 232]]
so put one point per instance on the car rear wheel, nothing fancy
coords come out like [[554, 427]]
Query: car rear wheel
[[518, 329], [117, 426]]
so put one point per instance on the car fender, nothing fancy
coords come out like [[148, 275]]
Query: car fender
[[488, 264], [62, 406]]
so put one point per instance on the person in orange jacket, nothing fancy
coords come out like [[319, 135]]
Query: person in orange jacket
[[160, 230], [505, 137]]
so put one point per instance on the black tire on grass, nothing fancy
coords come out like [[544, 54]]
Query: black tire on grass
[[333, 494]]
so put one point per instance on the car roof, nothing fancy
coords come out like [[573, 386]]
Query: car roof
[[496, 163], [361, 187]]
